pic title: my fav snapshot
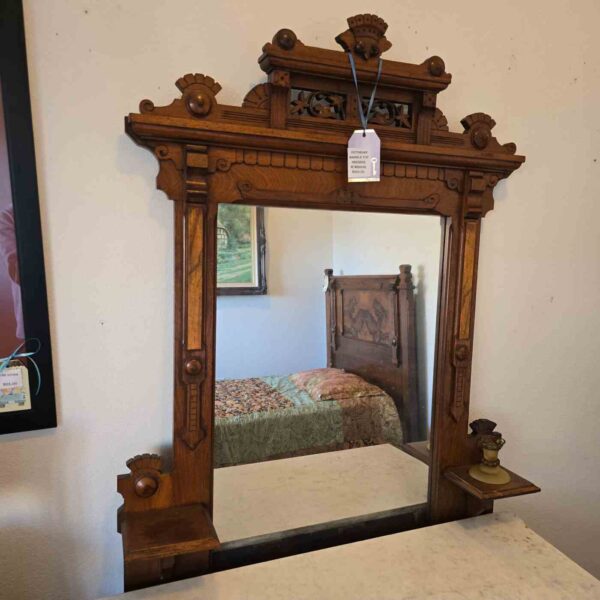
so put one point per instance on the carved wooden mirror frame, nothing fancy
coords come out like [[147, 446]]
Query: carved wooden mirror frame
[[286, 146]]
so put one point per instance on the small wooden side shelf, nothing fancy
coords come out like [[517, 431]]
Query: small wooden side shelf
[[419, 450], [517, 486], [167, 532]]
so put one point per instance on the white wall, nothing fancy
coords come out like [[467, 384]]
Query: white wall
[[284, 331], [374, 244], [532, 65]]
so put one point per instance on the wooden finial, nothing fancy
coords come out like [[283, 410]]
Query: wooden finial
[[285, 38], [405, 280]]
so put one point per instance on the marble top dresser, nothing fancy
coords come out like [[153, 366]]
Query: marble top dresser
[[493, 556]]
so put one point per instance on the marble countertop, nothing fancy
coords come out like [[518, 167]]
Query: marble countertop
[[277, 495], [494, 557]]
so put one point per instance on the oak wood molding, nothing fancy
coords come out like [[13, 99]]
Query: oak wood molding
[[146, 129], [286, 146]]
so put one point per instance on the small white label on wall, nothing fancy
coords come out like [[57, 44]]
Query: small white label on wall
[[364, 150]]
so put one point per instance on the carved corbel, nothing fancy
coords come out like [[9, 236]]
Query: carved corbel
[[480, 198], [169, 178], [454, 179]]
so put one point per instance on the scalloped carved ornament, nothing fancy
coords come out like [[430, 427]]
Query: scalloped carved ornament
[[478, 127], [199, 93], [439, 121], [169, 178], [198, 97], [365, 36], [258, 97], [145, 470]]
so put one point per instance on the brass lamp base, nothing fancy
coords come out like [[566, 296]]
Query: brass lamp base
[[491, 475]]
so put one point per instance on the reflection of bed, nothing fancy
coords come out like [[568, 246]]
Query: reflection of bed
[[371, 334], [272, 417]]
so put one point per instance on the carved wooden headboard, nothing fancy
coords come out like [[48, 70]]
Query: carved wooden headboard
[[371, 332]]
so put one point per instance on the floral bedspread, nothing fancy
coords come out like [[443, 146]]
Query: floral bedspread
[[266, 418], [235, 397]]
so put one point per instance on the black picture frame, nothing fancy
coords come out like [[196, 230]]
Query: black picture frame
[[261, 251], [23, 179]]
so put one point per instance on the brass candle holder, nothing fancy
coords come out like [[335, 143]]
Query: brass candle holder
[[490, 442]]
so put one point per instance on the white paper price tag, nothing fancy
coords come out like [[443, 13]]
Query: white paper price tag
[[14, 389], [364, 150]]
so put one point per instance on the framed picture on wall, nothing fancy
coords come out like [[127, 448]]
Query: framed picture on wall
[[26, 380], [241, 246]]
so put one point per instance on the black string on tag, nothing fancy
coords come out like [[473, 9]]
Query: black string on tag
[[364, 118]]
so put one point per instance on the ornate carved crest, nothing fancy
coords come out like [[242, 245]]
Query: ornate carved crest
[[310, 92], [365, 36]]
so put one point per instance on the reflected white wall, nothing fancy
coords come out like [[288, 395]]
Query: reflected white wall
[[284, 331]]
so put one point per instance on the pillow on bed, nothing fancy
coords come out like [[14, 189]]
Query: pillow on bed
[[334, 384]]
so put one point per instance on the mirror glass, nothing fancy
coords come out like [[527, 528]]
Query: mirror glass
[[326, 325]]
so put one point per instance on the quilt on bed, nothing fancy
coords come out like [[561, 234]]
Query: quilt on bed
[[264, 418]]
